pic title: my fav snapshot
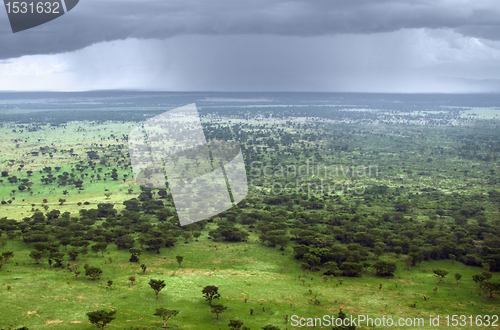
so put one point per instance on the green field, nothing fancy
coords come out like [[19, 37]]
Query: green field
[[41, 297], [435, 196]]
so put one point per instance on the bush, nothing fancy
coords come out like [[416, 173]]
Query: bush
[[384, 268], [101, 318], [93, 272]]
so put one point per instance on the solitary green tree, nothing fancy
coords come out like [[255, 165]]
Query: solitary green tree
[[187, 235], [458, 277], [343, 316], [134, 254], [218, 309], [166, 314], [491, 288], [101, 246], [157, 286], [101, 318], [7, 255], [93, 272], [235, 324], [180, 259], [211, 292], [440, 274], [58, 258], [36, 255], [480, 278]]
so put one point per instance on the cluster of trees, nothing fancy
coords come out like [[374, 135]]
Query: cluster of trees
[[485, 283], [229, 232], [32, 121], [47, 233], [79, 174], [350, 235], [341, 243]]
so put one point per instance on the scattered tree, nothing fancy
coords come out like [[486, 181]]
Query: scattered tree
[[134, 254], [101, 246], [211, 292], [144, 267], [491, 288], [166, 314], [93, 272], [36, 255], [235, 324], [440, 274], [180, 259], [343, 316], [57, 257], [157, 286], [187, 235], [218, 309], [101, 318], [7, 255]]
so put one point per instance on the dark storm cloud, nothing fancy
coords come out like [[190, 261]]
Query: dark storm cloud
[[94, 21]]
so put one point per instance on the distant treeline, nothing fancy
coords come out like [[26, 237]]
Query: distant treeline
[[58, 116]]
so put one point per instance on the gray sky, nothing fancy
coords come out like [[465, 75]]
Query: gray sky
[[259, 45]]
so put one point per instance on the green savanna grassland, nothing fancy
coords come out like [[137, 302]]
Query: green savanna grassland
[[434, 204]]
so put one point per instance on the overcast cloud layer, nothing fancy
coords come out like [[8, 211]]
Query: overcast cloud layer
[[364, 45]]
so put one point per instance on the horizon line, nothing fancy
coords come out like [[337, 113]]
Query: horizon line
[[208, 91]]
